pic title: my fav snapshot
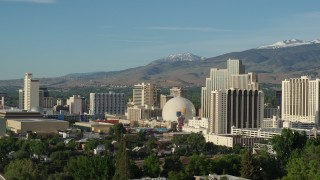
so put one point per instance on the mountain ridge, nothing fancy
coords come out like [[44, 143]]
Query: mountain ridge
[[272, 65]]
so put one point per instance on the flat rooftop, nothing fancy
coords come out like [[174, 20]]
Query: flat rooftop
[[35, 120]]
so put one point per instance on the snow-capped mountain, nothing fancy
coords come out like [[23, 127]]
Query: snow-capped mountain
[[289, 43], [181, 57]]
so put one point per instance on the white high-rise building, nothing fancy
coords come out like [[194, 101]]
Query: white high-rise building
[[234, 67], [301, 100], [236, 107], [222, 79], [31, 92], [232, 98], [75, 104], [112, 103]]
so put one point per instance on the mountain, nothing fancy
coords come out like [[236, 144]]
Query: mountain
[[289, 43], [273, 63], [181, 57]]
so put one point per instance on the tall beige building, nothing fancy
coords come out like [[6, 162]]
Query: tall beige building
[[31, 92], [145, 95], [301, 100], [240, 108], [222, 79], [232, 98]]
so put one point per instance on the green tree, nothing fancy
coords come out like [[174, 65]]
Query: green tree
[[59, 159], [304, 165], [117, 131], [173, 175], [198, 165], [287, 142], [197, 141], [249, 166], [269, 166], [151, 144], [122, 163], [135, 171], [21, 169], [226, 164], [91, 144], [38, 147], [151, 166], [95, 167], [171, 163], [21, 154]]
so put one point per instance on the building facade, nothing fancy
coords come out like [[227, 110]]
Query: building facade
[[75, 104], [301, 100], [112, 103], [164, 99], [178, 91], [236, 107], [31, 92], [145, 94], [222, 79]]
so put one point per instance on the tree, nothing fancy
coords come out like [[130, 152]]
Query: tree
[[177, 175], [38, 147], [197, 141], [198, 165], [171, 163], [21, 169], [21, 154], [151, 144], [122, 163], [269, 165], [151, 166], [91, 144], [304, 165], [249, 167], [117, 131], [95, 167], [226, 164], [287, 142]]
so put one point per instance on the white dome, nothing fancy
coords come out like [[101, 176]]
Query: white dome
[[178, 104]]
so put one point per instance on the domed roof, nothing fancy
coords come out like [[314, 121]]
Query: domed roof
[[175, 105]]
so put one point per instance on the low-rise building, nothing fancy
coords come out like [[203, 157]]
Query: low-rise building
[[36, 125], [231, 140], [97, 127]]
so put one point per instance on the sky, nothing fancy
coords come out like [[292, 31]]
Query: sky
[[52, 38]]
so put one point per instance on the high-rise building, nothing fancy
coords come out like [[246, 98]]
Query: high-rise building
[[235, 107], [45, 101], [31, 92], [178, 91], [301, 100], [234, 67], [145, 94], [278, 99], [3, 96], [223, 79], [164, 99], [75, 104], [112, 103], [21, 99]]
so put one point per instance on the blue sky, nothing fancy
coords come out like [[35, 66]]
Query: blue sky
[[55, 37]]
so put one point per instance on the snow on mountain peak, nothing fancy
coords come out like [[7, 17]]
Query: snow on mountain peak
[[181, 57], [289, 43]]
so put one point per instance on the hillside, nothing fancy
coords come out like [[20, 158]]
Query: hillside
[[272, 63]]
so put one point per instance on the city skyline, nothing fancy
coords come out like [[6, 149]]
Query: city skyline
[[66, 35]]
